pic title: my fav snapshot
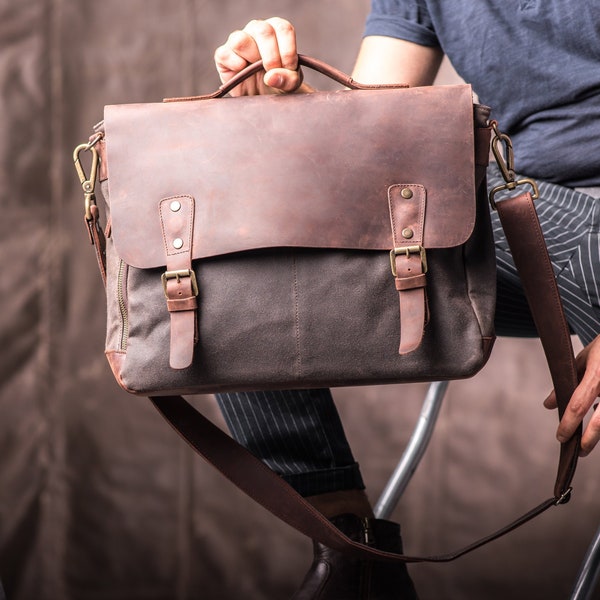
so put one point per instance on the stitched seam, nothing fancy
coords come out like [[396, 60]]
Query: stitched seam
[[550, 273], [391, 207], [422, 204], [296, 317]]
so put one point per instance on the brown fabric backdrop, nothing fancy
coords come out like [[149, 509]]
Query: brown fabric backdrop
[[98, 498]]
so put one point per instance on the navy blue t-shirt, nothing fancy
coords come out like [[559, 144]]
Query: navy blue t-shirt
[[535, 62]]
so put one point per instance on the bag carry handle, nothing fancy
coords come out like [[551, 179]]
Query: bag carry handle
[[303, 61]]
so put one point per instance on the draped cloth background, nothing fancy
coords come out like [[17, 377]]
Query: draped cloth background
[[98, 498]]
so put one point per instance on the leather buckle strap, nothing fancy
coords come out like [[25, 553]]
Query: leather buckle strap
[[179, 280], [408, 261]]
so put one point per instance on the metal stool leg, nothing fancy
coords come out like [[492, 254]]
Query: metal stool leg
[[589, 573], [414, 451], [590, 570]]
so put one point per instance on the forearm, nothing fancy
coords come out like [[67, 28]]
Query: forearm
[[390, 60], [383, 60]]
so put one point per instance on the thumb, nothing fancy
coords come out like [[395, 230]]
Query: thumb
[[284, 80], [550, 401]]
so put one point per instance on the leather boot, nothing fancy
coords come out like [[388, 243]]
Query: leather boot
[[335, 576]]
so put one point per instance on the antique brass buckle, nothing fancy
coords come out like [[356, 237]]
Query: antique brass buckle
[[178, 275], [408, 250], [506, 163]]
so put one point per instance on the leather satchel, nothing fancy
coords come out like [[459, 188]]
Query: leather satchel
[[306, 240], [326, 239]]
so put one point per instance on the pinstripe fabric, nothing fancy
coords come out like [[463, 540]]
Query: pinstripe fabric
[[570, 220], [299, 433]]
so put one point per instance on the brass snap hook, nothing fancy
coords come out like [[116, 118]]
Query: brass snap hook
[[506, 160], [88, 184], [506, 164]]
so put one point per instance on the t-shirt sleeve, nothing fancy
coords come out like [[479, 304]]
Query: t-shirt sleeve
[[404, 19]]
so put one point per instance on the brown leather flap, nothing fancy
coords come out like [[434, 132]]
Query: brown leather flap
[[297, 170]]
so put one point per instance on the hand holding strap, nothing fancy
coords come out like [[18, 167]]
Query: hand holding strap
[[303, 61]]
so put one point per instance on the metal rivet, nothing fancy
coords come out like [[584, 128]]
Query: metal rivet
[[177, 243], [407, 233], [406, 193], [175, 205]]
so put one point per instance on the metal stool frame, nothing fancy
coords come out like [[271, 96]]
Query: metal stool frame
[[589, 573]]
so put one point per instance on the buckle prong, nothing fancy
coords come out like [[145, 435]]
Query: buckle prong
[[407, 250], [178, 275]]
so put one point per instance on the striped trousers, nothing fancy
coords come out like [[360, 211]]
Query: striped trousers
[[299, 434]]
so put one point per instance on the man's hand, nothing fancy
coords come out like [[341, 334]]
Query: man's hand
[[583, 398], [272, 40]]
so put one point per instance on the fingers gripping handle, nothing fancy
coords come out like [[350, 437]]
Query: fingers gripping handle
[[303, 61]]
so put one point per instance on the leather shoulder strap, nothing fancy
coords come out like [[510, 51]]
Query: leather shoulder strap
[[525, 238], [524, 235], [528, 248], [264, 486]]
